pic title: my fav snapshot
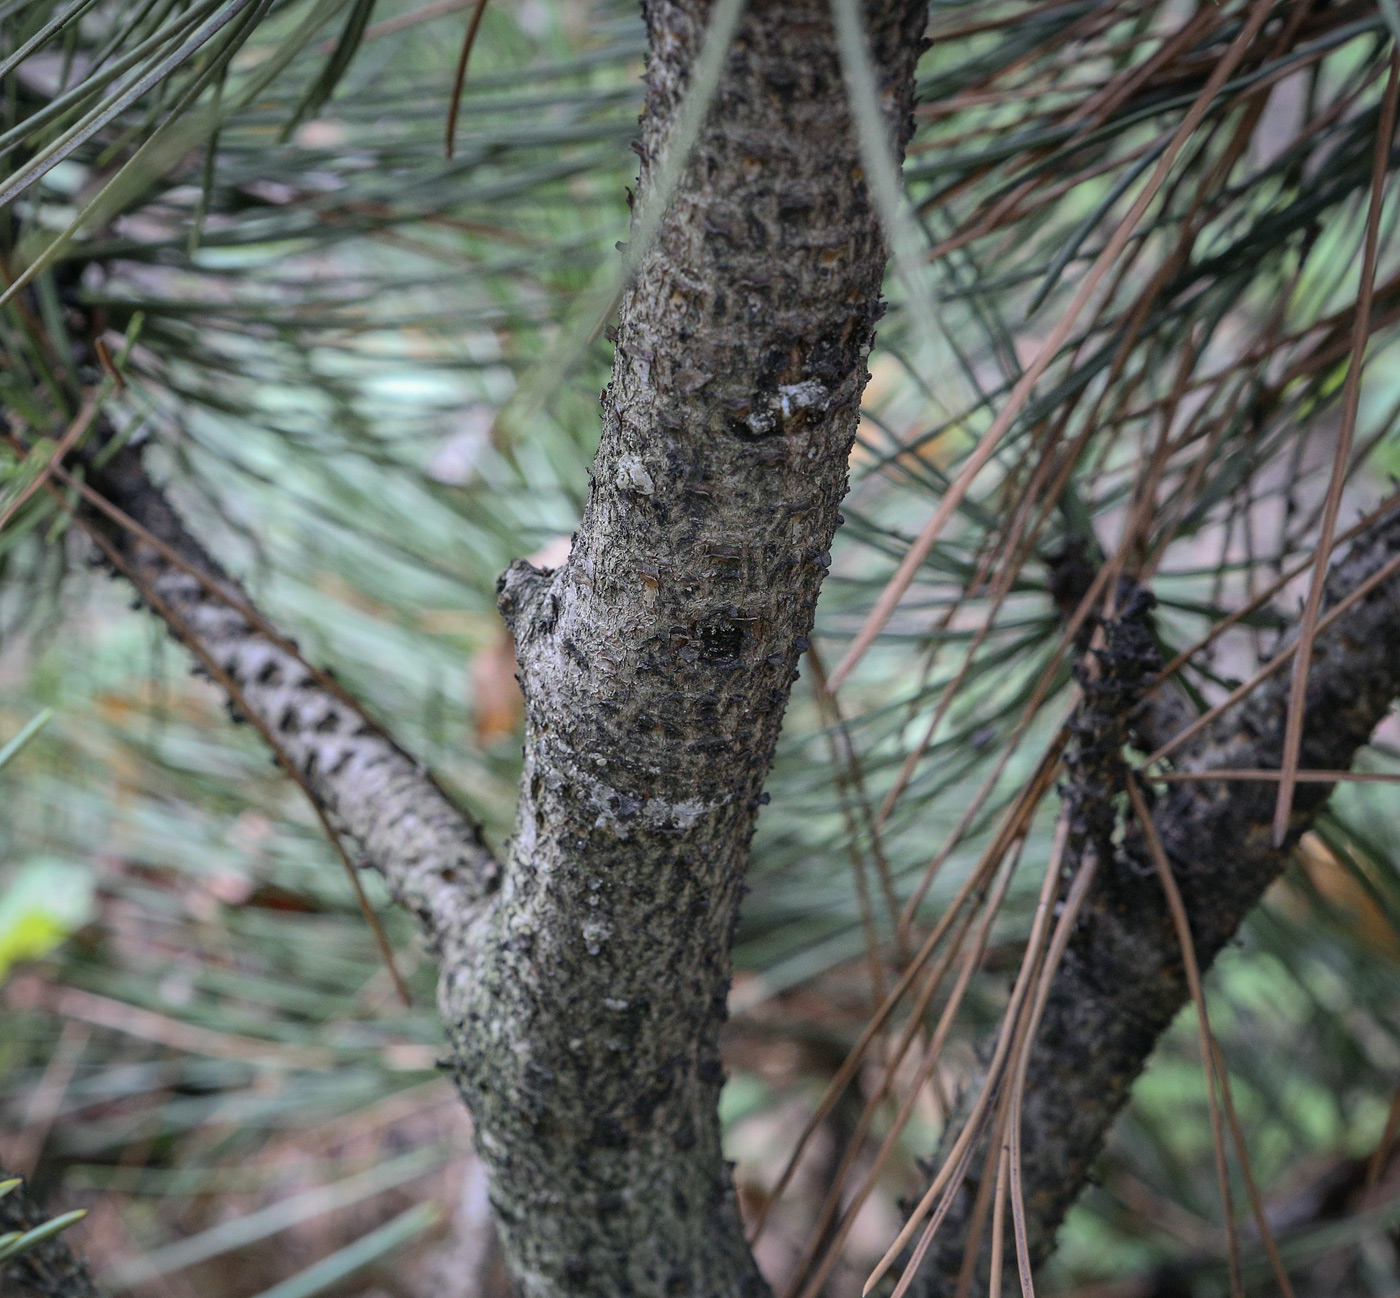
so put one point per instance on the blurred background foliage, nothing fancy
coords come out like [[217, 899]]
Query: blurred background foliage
[[315, 319]]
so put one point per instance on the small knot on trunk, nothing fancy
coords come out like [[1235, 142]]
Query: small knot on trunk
[[522, 592]]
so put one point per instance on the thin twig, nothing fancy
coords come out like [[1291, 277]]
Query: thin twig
[[1302, 777], [459, 78], [75, 430], [949, 1177], [1381, 575], [1193, 981], [1351, 404], [904, 575]]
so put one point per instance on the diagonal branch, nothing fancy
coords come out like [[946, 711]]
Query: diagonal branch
[[1122, 980], [430, 854]]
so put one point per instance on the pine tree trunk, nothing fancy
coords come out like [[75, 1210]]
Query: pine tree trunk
[[657, 664]]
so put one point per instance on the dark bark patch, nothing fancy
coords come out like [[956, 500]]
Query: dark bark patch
[[722, 639]]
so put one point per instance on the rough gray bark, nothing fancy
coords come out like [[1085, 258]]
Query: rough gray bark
[[656, 666], [1122, 980], [49, 1270], [430, 854]]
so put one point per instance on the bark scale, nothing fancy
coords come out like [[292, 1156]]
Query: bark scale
[[657, 664]]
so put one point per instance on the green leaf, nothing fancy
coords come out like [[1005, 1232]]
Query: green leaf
[[35, 725], [16, 1245], [43, 904], [276, 1217], [344, 51], [355, 1257]]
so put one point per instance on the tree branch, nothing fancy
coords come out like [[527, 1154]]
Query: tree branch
[[431, 855], [1122, 980], [657, 664]]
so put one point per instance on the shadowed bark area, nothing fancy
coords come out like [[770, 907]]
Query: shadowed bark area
[[430, 854], [1122, 980], [657, 664], [48, 1270]]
